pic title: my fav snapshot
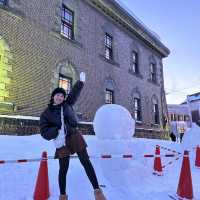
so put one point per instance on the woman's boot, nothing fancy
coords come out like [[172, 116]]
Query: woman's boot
[[98, 193], [63, 197]]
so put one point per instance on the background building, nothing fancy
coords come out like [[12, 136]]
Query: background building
[[194, 104], [185, 113], [46, 44], [179, 117]]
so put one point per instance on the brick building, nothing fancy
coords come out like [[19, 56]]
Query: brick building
[[44, 44]]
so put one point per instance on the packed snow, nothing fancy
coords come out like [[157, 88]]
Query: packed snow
[[121, 179]]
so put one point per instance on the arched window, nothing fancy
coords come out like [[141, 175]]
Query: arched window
[[137, 109], [65, 75], [136, 105], [135, 59], [155, 109], [65, 82], [109, 88], [153, 69]]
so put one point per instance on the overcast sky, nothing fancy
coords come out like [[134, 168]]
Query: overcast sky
[[177, 22]]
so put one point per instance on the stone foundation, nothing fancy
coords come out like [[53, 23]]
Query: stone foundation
[[16, 126]]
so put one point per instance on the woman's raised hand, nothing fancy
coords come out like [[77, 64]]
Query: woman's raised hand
[[82, 76]]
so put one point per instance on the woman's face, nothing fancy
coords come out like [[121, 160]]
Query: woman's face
[[58, 98]]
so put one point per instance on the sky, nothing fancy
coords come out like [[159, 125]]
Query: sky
[[178, 25]]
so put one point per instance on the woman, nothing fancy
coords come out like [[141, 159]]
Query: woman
[[59, 122]]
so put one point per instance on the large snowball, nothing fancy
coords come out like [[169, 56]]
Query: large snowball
[[113, 121], [191, 138]]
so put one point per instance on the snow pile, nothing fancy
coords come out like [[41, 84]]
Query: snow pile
[[122, 179], [113, 122], [191, 138]]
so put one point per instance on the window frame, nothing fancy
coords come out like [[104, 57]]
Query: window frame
[[3, 2], [69, 79], [134, 62], [137, 109], [153, 74], [65, 23], [110, 97], [156, 116], [108, 42]]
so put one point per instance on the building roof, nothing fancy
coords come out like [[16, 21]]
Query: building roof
[[137, 22], [126, 18], [193, 97]]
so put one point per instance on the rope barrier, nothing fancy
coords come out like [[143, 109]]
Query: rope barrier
[[103, 156]]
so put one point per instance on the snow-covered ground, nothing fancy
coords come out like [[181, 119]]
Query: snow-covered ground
[[123, 179]]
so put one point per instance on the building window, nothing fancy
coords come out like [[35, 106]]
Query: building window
[[137, 109], [109, 98], [171, 117], [134, 66], [3, 2], [65, 83], [153, 72], [108, 47], [180, 117], [185, 117], [67, 22], [156, 113]]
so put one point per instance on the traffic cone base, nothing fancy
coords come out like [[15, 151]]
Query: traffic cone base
[[176, 197], [158, 173]]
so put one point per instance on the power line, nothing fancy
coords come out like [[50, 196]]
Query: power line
[[181, 90]]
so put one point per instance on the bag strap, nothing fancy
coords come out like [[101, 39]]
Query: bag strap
[[62, 121]]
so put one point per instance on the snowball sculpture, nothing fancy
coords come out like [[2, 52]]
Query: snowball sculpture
[[113, 121]]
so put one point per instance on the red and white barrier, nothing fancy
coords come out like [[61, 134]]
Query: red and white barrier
[[164, 155], [103, 156], [106, 156]]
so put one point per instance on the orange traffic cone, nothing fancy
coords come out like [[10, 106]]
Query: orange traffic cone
[[197, 161], [157, 163], [185, 189], [42, 184]]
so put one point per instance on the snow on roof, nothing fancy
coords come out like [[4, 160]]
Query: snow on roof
[[130, 12], [193, 97]]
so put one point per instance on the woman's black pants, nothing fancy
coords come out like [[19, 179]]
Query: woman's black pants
[[64, 165]]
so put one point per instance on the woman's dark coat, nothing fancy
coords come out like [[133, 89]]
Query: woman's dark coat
[[50, 119]]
